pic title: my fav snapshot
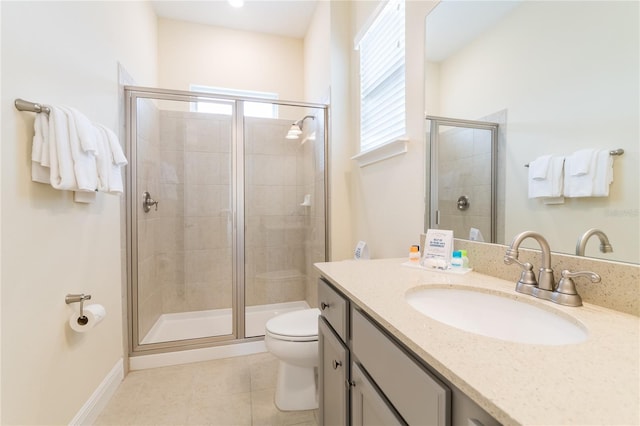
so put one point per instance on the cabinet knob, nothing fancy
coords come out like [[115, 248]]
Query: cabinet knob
[[324, 306], [336, 364]]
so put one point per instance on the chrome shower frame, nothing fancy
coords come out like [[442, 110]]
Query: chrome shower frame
[[131, 95]]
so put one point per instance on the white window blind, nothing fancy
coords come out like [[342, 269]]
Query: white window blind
[[382, 78]]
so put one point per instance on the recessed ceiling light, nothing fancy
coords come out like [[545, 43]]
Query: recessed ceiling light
[[236, 3]]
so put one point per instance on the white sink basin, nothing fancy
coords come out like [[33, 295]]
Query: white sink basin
[[492, 315]]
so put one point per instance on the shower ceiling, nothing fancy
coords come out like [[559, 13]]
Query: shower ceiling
[[285, 18]]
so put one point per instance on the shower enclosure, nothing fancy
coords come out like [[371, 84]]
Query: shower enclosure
[[226, 214]]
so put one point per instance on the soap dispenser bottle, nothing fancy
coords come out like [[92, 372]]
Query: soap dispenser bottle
[[414, 254]]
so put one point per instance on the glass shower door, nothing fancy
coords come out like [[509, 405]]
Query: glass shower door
[[284, 212], [183, 206]]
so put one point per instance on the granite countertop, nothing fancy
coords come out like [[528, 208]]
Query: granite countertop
[[593, 382]]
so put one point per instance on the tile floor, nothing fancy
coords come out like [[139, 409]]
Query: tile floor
[[229, 392]]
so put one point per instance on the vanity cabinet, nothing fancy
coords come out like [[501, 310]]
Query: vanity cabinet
[[368, 406], [333, 364], [333, 376], [368, 378]]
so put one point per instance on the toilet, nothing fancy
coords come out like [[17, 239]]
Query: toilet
[[293, 339]]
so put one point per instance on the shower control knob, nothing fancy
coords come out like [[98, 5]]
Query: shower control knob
[[463, 202], [147, 202]]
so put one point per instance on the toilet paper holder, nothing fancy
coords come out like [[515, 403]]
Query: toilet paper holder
[[75, 298]]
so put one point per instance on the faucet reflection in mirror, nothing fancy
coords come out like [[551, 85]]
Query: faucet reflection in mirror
[[564, 293], [605, 246]]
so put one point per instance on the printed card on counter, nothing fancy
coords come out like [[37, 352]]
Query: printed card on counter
[[437, 249]]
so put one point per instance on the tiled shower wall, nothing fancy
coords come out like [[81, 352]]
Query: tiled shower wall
[[314, 164], [465, 169], [196, 241], [279, 232]]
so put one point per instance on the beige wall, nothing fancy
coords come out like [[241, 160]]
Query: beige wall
[[61, 53], [317, 55], [213, 56]]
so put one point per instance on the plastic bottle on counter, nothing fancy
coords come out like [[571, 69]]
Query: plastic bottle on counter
[[414, 254], [456, 259], [465, 259]]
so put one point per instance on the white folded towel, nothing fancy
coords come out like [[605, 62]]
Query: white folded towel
[[62, 175], [103, 160], [81, 135], [539, 168], [110, 160], [594, 183], [579, 163], [86, 132], [40, 149], [603, 176], [551, 186]]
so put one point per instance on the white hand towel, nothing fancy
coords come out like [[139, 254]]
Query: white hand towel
[[110, 162], [603, 176], [103, 159], [552, 185], [579, 163], [577, 183], [86, 132], [539, 168], [39, 163], [84, 162], [62, 175]]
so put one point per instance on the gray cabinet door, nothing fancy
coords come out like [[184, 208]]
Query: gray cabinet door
[[333, 376], [368, 407]]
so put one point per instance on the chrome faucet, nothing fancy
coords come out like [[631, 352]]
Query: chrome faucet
[[605, 246], [544, 288]]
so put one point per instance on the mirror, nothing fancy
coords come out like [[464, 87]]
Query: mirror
[[565, 74]]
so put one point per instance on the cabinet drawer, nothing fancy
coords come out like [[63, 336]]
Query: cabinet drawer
[[333, 376], [419, 397], [334, 307]]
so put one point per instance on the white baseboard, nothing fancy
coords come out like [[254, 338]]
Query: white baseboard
[[100, 397]]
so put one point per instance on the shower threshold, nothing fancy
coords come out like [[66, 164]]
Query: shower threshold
[[215, 322]]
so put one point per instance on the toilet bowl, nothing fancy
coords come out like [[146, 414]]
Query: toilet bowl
[[293, 339]]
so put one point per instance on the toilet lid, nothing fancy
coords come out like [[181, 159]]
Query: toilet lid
[[303, 323]]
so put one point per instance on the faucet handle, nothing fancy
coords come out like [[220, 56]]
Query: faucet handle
[[595, 278], [527, 276], [566, 293]]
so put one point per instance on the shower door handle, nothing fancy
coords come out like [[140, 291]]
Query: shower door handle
[[147, 202]]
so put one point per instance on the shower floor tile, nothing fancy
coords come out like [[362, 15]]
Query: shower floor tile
[[226, 392]]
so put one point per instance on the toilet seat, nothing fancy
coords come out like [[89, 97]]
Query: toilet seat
[[296, 326]]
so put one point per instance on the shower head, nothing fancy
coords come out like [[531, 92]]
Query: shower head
[[294, 132], [296, 128]]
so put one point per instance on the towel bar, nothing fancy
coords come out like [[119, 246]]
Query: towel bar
[[614, 152], [22, 105]]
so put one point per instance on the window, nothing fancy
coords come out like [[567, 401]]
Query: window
[[382, 78], [251, 109]]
